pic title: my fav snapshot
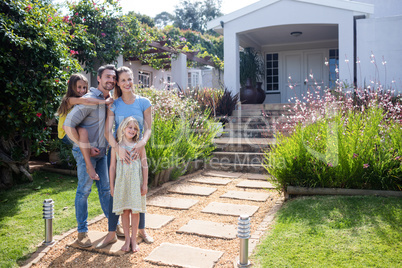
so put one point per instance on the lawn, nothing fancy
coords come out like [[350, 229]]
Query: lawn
[[21, 222], [357, 231]]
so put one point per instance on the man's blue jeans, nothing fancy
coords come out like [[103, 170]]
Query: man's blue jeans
[[85, 185]]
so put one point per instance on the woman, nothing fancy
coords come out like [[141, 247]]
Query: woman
[[126, 104]]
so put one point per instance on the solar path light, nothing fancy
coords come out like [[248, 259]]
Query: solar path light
[[48, 215], [243, 232]]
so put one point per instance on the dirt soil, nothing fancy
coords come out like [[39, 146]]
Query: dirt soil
[[62, 255]]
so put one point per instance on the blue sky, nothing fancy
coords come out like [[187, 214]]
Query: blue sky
[[154, 7]]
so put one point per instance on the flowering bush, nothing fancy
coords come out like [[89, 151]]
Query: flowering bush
[[35, 65], [94, 32], [346, 140]]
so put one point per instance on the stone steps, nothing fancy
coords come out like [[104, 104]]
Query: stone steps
[[239, 157], [248, 134]]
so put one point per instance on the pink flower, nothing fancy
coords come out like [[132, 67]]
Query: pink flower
[[65, 18], [29, 7], [38, 114], [366, 165], [330, 165], [103, 34], [76, 13], [355, 155]]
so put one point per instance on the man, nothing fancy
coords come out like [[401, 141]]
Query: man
[[92, 118]]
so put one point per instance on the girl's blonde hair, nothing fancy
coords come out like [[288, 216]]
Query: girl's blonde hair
[[71, 92], [123, 125], [117, 90]]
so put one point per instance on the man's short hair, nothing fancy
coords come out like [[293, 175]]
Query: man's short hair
[[106, 67]]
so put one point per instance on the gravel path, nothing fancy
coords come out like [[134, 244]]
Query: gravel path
[[62, 255]]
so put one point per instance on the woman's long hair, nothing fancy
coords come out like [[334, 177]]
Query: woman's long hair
[[117, 90], [71, 92]]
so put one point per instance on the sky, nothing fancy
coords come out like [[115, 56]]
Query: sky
[[154, 7]]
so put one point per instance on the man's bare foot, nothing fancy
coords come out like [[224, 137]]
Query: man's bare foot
[[126, 246], [135, 248], [92, 173]]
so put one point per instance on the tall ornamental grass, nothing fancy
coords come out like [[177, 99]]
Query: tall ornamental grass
[[181, 133], [342, 140]]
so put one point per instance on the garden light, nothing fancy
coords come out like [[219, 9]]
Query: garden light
[[48, 216], [243, 232]]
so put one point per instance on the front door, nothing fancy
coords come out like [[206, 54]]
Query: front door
[[303, 71]]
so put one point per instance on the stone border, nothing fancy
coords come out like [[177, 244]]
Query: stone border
[[42, 249], [295, 190]]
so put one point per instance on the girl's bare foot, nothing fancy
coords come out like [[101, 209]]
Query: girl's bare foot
[[126, 246], [135, 247]]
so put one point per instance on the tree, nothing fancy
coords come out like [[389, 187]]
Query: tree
[[195, 15], [95, 32], [144, 19], [163, 19], [35, 64]]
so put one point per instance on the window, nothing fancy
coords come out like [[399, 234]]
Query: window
[[193, 79], [333, 66], [169, 82], [144, 79], [272, 73]]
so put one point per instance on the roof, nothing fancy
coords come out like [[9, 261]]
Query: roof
[[217, 24]]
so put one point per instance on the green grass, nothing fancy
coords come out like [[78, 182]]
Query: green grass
[[21, 222], [335, 232]]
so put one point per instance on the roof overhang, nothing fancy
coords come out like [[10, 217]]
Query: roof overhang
[[358, 7]]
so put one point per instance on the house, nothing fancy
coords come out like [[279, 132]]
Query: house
[[311, 43], [176, 75]]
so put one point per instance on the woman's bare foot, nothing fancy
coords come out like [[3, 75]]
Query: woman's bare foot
[[135, 247], [126, 246]]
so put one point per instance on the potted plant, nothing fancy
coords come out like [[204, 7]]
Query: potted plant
[[251, 72]]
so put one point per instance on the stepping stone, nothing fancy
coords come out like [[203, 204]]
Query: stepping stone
[[192, 189], [252, 196], [209, 229], [111, 249], [211, 180], [254, 176], [171, 202], [155, 221], [184, 256], [256, 184], [222, 174], [230, 209]]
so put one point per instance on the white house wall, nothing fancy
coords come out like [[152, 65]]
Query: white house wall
[[384, 8], [381, 37], [287, 13], [158, 77]]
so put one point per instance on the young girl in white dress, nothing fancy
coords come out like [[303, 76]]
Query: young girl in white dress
[[129, 182]]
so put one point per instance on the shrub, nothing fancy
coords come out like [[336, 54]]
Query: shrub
[[181, 133], [347, 140]]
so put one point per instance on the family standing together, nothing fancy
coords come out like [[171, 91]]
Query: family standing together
[[114, 158]]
